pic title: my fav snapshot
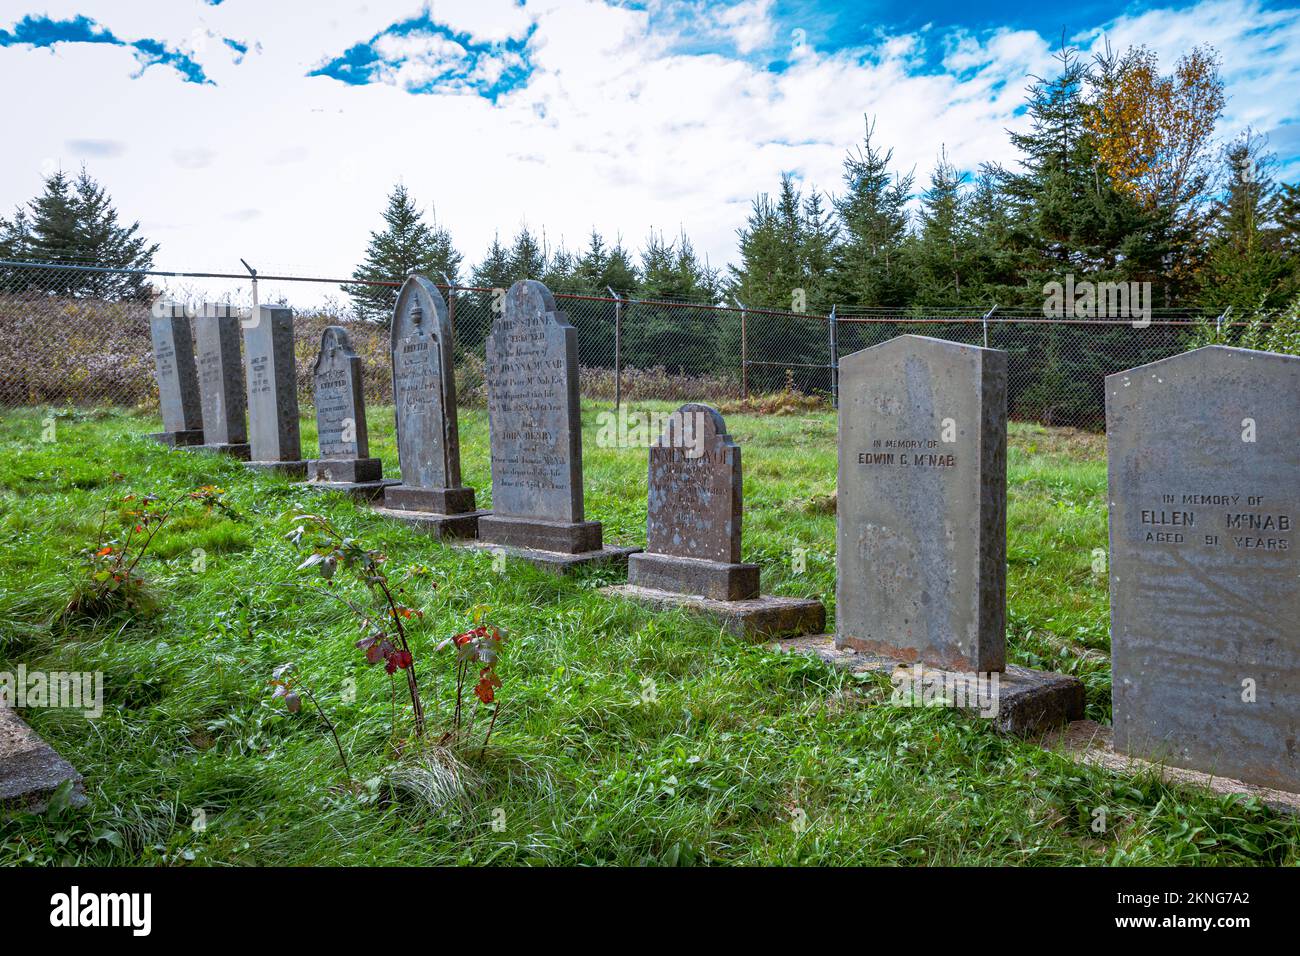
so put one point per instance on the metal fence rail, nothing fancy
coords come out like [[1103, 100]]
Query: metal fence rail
[[79, 335]]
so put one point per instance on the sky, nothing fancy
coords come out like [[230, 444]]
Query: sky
[[273, 132]]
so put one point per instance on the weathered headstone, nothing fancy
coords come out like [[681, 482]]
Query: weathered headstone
[[345, 463], [221, 381], [693, 525], [31, 771], [536, 435], [178, 385], [273, 437], [921, 535], [1204, 492], [424, 404], [922, 503]]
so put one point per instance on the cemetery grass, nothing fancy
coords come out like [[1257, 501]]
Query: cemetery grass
[[626, 736]]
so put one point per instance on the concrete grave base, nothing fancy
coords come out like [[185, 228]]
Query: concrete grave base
[[364, 491], [433, 524], [1090, 743], [290, 469], [716, 580], [556, 562], [1028, 701], [30, 770], [759, 618], [535, 534], [442, 501], [237, 451], [346, 471], [193, 436]]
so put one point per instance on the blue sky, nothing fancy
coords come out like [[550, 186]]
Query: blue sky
[[232, 133]]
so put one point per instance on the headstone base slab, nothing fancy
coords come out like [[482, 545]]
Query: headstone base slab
[[1029, 701], [556, 562], [715, 580], [911, 655], [346, 470], [364, 491], [443, 501], [290, 469], [1088, 742], [433, 524], [193, 436], [237, 451], [30, 769], [761, 618], [563, 537]]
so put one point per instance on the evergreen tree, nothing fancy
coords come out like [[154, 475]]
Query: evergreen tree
[[601, 268], [1246, 266], [944, 253], [527, 257], [682, 340], [406, 244], [874, 219], [494, 271]]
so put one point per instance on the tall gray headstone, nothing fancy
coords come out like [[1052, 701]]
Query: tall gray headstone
[[221, 380], [921, 513], [694, 514], [424, 400], [272, 391], [341, 414], [1204, 492], [178, 384], [536, 429]]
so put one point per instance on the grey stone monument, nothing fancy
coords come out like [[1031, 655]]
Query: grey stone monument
[[536, 437], [221, 381], [274, 441], [345, 463], [430, 496], [921, 532], [1204, 493], [178, 381], [922, 503], [692, 556]]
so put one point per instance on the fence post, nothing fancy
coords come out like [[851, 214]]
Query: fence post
[[451, 310], [985, 323], [744, 351], [1218, 324], [253, 273], [833, 325], [618, 348]]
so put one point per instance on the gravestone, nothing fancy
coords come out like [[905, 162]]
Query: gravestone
[[693, 525], [274, 442], [430, 495], [345, 463], [921, 535], [921, 527], [178, 385], [536, 436], [1204, 496], [221, 381]]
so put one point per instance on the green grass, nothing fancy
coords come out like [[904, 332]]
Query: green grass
[[737, 744]]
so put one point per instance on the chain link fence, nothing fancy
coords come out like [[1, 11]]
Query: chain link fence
[[78, 335]]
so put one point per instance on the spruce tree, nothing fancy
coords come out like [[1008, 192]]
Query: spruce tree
[[406, 245], [874, 220]]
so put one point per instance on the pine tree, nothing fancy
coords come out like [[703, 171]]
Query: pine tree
[[406, 245], [874, 220], [493, 272], [601, 268], [943, 252], [527, 257], [104, 242]]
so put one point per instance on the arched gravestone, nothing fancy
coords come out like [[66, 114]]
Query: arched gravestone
[[921, 510], [178, 385], [536, 429], [1204, 495], [273, 437], [693, 526], [221, 380], [424, 400], [345, 463]]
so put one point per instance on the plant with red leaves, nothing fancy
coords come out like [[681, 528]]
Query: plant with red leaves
[[385, 626], [478, 648]]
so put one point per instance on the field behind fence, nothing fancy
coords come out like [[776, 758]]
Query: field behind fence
[[79, 336]]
